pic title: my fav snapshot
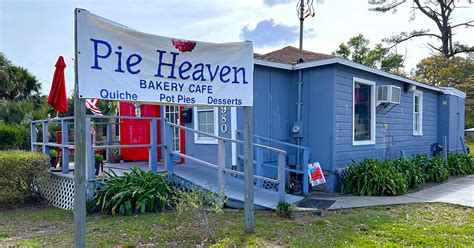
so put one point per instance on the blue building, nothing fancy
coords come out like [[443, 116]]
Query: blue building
[[348, 112]]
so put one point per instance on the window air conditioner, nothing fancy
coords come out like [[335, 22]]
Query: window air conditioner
[[388, 94]]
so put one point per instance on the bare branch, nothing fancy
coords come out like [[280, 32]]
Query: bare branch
[[467, 24], [385, 6], [404, 36], [435, 48]]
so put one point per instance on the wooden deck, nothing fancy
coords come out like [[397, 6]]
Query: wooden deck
[[206, 177]]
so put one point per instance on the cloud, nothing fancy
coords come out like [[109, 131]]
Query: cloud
[[272, 3], [268, 33]]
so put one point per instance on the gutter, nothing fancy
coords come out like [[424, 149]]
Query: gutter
[[341, 61]]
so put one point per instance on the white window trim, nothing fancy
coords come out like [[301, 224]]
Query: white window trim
[[420, 94], [373, 98], [206, 140]]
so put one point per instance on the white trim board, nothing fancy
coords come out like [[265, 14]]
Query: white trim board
[[341, 61]]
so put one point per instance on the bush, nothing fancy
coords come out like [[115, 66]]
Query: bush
[[286, 210], [371, 177], [137, 191], [459, 164], [411, 169], [436, 170], [194, 207], [20, 174], [14, 137]]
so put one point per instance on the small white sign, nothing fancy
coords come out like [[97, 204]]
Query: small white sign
[[315, 173], [119, 63]]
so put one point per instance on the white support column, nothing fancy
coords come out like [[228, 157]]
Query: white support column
[[33, 136], [90, 160], [65, 150], [220, 170], [45, 137], [153, 154]]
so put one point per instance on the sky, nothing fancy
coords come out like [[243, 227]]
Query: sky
[[33, 33]]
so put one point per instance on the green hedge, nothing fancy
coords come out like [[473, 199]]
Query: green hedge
[[14, 137], [21, 172], [394, 177]]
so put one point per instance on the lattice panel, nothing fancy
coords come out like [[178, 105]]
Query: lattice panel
[[59, 191], [267, 185]]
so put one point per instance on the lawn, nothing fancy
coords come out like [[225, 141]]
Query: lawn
[[407, 225]]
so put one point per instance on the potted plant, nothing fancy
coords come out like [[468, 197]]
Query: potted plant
[[53, 154], [99, 163], [114, 156]]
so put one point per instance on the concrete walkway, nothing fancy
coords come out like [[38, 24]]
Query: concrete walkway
[[456, 191]]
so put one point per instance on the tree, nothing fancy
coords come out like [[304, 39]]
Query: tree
[[441, 13], [357, 49], [455, 72], [16, 82]]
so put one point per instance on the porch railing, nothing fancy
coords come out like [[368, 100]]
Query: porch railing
[[166, 145], [302, 156]]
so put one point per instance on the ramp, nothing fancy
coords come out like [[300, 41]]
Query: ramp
[[205, 177]]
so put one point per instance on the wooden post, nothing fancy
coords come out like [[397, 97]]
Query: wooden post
[[281, 177], [33, 136], [65, 148], [110, 139], [79, 155], [168, 149], [259, 162], [153, 160], [304, 167], [90, 159], [248, 170], [45, 137], [220, 170]]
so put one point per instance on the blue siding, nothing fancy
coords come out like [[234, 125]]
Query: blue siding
[[399, 135]]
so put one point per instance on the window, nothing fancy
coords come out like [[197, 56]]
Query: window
[[205, 120], [363, 112], [418, 112]]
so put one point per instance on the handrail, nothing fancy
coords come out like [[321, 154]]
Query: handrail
[[225, 169], [226, 139], [122, 117], [277, 141]]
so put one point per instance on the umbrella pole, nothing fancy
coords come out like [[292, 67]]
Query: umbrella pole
[[79, 154]]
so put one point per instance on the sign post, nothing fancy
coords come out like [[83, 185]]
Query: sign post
[[248, 170], [80, 183], [117, 63]]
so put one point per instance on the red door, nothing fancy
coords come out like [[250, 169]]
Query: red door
[[137, 131]]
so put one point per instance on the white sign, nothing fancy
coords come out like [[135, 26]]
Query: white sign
[[119, 63]]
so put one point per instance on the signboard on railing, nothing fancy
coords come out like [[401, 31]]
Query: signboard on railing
[[316, 176], [119, 63]]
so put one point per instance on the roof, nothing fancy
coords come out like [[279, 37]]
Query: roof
[[286, 58], [290, 55], [469, 130]]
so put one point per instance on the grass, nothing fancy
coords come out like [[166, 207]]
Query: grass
[[407, 225]]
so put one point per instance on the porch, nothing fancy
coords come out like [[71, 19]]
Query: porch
[[224, 180]]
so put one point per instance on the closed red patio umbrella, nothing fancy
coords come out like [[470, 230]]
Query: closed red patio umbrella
[[57, 96]]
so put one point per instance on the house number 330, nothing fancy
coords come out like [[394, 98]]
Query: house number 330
[[224, 127]]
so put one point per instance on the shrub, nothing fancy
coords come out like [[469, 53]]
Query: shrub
[[286, 210], [411, 169], [371, 177], [195, 206], [14, 137], [436, 170], [459, 164], [134, 192], [20, 174]]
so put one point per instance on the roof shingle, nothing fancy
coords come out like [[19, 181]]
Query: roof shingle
[[291, 55]]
